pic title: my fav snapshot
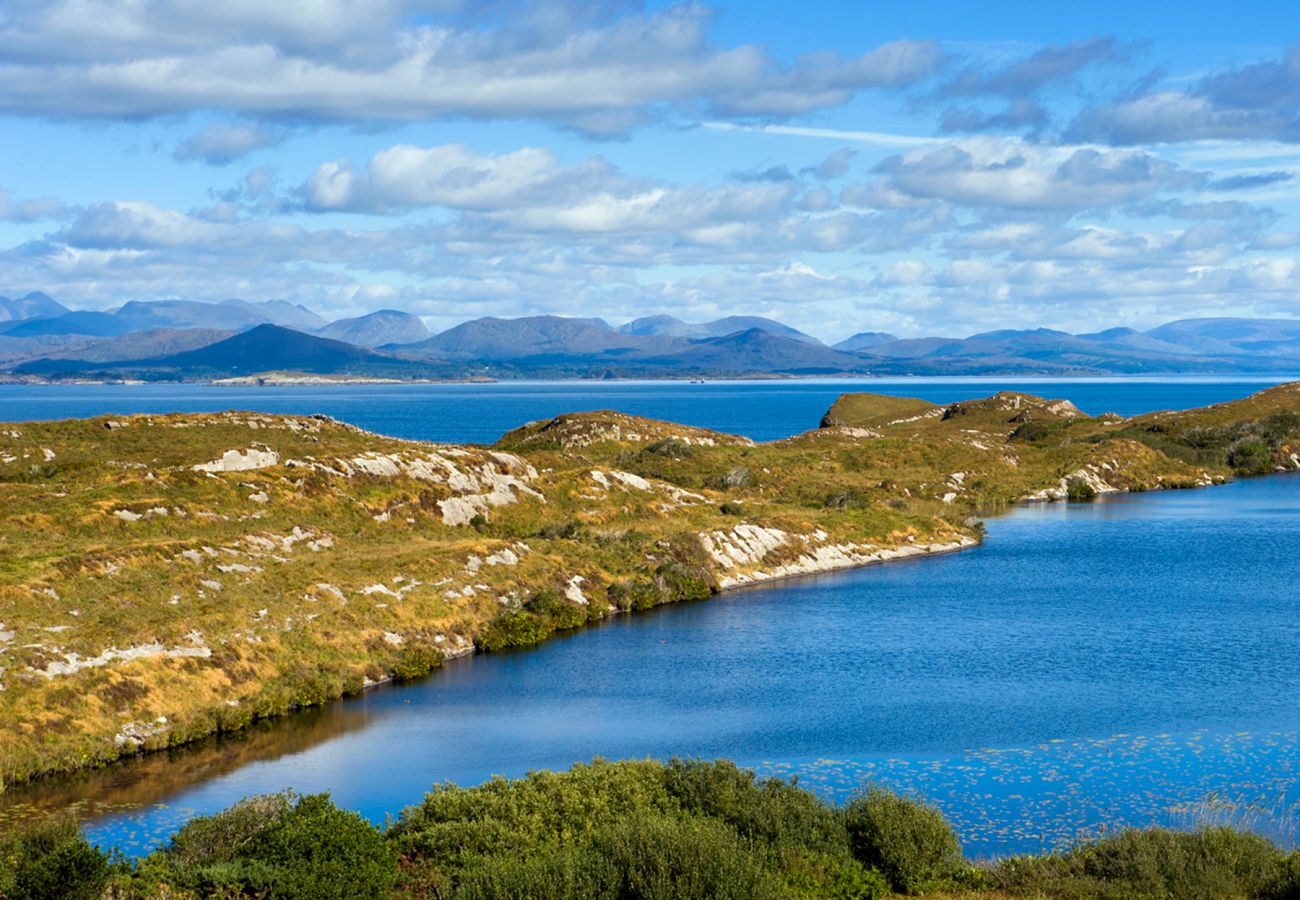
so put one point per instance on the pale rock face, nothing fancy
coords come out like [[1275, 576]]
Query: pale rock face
[[1087, 475], [830, 557], [134, 734], [622, 479], [478, 481], [573, 590], [73, 663], [127, 516], [241, 461], [744, 545]]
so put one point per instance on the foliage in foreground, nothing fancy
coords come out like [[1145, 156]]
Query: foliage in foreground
[[685, 829]]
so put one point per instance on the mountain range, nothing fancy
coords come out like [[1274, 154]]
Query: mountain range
[[191, 340]]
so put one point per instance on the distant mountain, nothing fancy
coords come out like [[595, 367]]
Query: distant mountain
[[30, 306], [757, 351], [1227, 336], [193, 340], [387, 326], [669, 326], [265, 348], [280, 312], [533, 336], [82, 321], [142, 344], [865, 340], [146, 314]]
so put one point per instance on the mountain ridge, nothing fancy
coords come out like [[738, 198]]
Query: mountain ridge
[[392, 343]]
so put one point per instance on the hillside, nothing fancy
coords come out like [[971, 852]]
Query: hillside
[[168, 576]]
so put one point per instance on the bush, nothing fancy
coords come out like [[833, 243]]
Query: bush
[[846, 499], [279, 846], [1250, 457], [731, 508], [1079, 491], [512, 630], [1031, 432], [1216, 862], [910, 843], [655, 858], [671, 447], [51, 859]]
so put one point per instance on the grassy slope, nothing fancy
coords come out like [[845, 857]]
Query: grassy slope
[[210, 599]]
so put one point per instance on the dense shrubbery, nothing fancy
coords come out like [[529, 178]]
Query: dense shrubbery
[[685, 829], [1216, 862], [51, 860], [1248, 447], [911, 844]]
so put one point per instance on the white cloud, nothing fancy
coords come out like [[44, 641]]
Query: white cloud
[[599, 68], [224, 142], [1005, 172]]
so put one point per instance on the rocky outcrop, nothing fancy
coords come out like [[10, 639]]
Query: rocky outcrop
[[241, 461], [746, 546]]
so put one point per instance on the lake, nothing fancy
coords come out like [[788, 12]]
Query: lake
[[1130, 661]]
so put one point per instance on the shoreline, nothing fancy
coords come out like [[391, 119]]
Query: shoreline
[[755, 580], [783, 538]]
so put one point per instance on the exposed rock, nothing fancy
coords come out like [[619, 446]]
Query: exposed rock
[[573, 590], [73, 663], [744, 544], [241, 461]]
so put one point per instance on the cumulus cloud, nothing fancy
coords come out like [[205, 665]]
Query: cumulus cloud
[[1048, 65], [528, 189], [222, 143], [1260, 101], [987, 172], [834, 166], [35, 209], [600, 68]]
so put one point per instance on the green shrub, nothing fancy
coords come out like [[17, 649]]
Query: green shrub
[[1031, 431], [455, 825], [1079, 491], [846, 499], [650, 858], [1250, 457], [908, 842], [512, 630], [279, 846], [671, 447], [770, 813], [51, 859], [1216, 862]]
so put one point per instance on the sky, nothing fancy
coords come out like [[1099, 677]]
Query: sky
[[918, 168]]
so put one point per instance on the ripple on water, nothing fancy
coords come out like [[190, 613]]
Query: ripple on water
[[1051, 795]]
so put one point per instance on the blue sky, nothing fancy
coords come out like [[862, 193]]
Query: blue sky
[[924, 168]]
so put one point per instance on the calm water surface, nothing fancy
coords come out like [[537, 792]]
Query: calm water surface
[[1128, 661], [480, 413]]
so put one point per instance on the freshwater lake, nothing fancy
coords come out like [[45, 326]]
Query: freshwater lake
[[1131, 661]]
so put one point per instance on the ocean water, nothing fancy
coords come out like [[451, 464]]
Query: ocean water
[[480, 413], [1130, 661]]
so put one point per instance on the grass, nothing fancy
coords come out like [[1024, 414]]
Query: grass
[[207, 601]]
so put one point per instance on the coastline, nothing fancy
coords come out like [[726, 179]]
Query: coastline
[[603, 537]]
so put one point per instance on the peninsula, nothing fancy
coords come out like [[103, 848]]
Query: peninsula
[[167, 577]]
